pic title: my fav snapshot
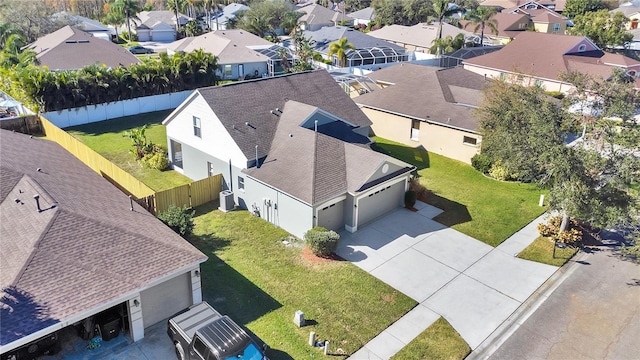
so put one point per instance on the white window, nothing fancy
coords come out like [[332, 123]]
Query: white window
[[556, 28], [210, 169], [470, 140], [540, 83], [240, 183], [582, 48], [415, 130], [197, 131], [227, 70]]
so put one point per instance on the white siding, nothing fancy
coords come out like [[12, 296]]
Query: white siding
[[214, 140]]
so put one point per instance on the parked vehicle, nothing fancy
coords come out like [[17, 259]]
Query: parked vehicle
[[140, 50], [202, 333]]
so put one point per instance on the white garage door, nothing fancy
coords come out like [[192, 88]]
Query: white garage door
[[332, 217], [165, 299], [380, 202], [165, 36]]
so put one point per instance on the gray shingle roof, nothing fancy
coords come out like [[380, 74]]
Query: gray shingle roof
[[315, 167], [252, 101], [329, 34], [428, 94], [85, 249]]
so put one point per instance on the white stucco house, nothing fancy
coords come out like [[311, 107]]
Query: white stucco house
[[293, 149]]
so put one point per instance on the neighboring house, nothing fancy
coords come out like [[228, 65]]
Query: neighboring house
[[427, 106], [632, 12], [221, 21], [72, 245], [71, 49], [555, 5], [419, 37], [544, 19], [535, 58], [363, 16], [293, 149], [509, 26], [93, 27], [368, 49], [234, 49], [317, 16], [239, 52], [159, 25]]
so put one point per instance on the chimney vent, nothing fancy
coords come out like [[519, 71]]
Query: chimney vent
[[37, 198], [39, 170]]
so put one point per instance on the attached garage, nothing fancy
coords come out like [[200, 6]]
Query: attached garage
[[331, 216], [165, 299], [163, 36], [380, 201]]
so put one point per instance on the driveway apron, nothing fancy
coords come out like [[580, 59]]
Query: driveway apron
[[471, 284]]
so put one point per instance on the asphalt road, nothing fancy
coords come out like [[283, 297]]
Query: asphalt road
[[593, 314]]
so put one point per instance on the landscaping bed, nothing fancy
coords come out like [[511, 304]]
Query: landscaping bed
[[541, 250], [109, 140], [483, 208], [261, 281]]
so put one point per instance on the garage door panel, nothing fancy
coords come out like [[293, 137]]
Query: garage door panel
[[332, 217], [165, 299], [380, 202]]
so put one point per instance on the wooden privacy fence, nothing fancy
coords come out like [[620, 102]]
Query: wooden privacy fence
[[193, 194], [190, 195]]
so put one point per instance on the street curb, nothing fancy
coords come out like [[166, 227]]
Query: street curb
[[526, 309]]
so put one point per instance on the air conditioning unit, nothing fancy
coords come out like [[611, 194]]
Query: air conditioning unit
[[226, 201]]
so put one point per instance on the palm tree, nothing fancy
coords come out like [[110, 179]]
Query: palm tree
[[482, 17], [177, 6], [6, 30], [340, 48], [116, 19], [447, 44], [130, 10], [441, 11]]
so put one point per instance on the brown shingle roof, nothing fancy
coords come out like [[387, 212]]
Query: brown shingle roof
[[445, 97], [85, 249], [71, 49], [545, 56]]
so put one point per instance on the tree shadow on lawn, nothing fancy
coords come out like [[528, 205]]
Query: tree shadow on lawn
[[454, 212]]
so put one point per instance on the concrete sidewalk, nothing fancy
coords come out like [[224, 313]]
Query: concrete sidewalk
[[474, 286]]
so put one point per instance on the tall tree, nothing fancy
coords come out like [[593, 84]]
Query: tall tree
[[177, 6], [130, 10], [447, 44], [603, 28], [482, 18], [6, 30], [340, 48], [441, 11], [33, 18], [574, 8], [116, 19]]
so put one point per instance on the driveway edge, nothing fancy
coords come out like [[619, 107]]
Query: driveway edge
[[513, 322]]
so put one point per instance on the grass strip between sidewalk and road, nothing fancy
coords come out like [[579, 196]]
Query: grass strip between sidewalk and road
[[440, 341]]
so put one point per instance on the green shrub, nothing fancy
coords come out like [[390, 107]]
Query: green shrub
[[410, 198], [321, 241], [482, 162], [556, 94], [179, 219], [552, 230], [156, 161], [499, 172]]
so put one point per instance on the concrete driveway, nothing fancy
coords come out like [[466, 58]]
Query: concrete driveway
[[471, 284]]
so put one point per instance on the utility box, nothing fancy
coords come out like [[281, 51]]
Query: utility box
[[226, 201], [298, 318]]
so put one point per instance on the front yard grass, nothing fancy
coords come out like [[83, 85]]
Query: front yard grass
[[483, 208], [440, 341], [107, 138], [541, 250], [258, 281]]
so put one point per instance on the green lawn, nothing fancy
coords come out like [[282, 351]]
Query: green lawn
[[252, 276], [483, 208], [438, 341], [541, 250], [107, 138]]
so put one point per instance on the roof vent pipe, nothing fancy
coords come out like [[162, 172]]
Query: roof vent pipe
[[316, 126], [257, 165], [37, 199]]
